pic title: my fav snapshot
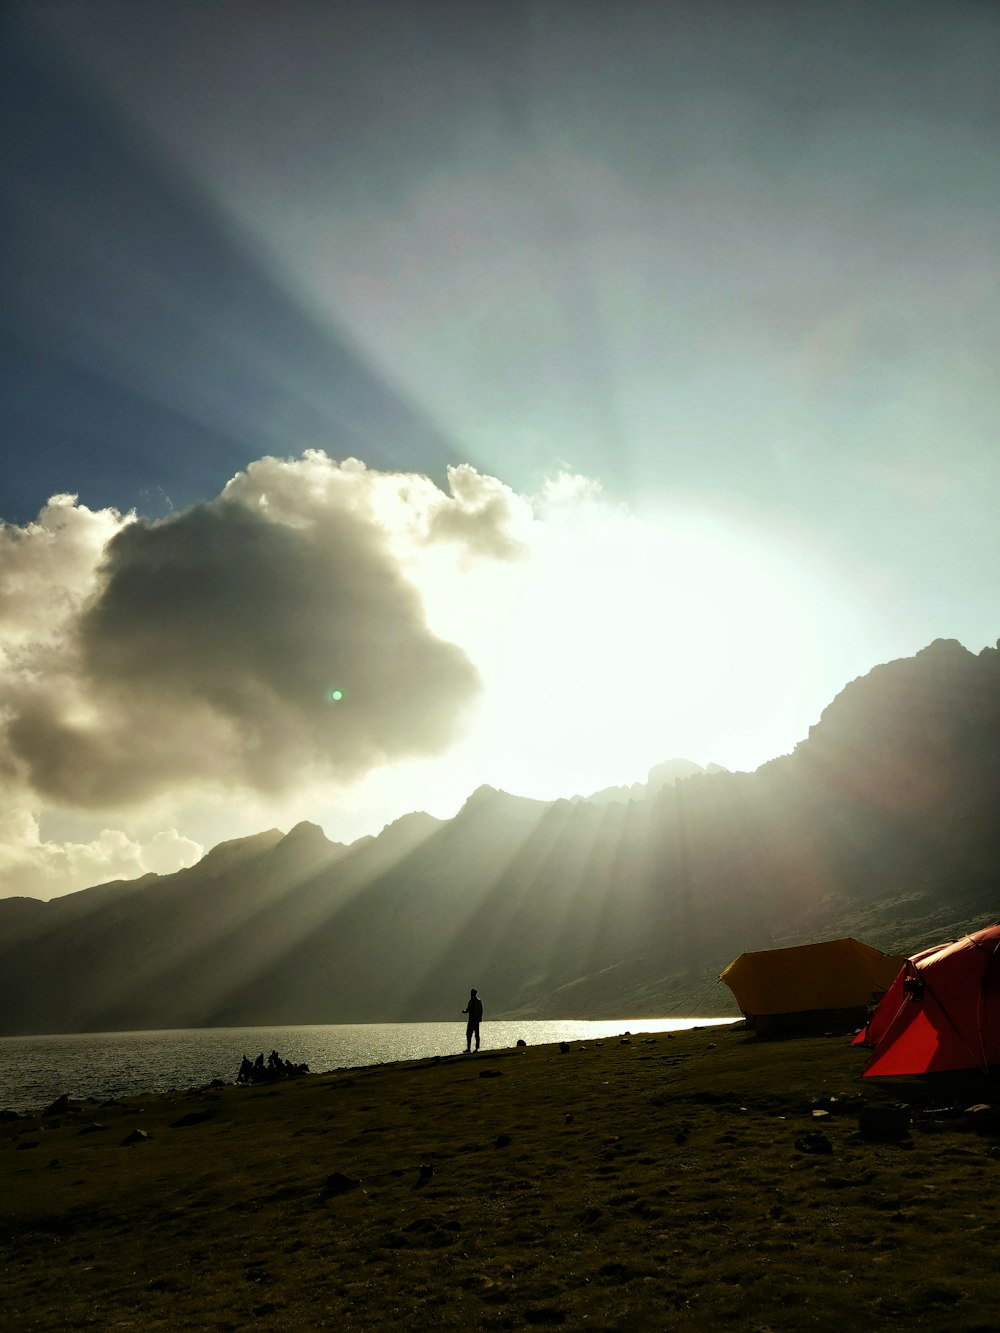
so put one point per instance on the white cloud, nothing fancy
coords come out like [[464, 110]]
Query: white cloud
[[32, 868], [549, 644], [145, 663], [203, 649], [49, 567]]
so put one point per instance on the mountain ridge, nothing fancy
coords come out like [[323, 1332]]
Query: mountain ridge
[[880, 823]]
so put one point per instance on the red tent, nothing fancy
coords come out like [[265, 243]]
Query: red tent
[[942, 1011]]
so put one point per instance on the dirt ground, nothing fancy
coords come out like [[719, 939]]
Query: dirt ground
[[692, 1181]]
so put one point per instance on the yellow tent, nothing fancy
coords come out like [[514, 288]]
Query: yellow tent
[[810, 984]]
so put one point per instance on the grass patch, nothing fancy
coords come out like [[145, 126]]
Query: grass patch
[[629, 1193]]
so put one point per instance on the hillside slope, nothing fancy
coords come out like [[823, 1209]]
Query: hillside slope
[[881, 824]]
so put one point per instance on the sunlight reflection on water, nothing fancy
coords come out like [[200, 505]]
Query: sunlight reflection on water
[[36, 1070]]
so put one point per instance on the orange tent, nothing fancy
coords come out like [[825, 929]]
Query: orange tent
[[942, 1011], [810, 985]]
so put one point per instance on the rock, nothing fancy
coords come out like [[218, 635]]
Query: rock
[[884, 1124], [192, 1118], [338, 1183], [814, 1142], [982, 1117], [565, 1047], [95, 1128], [59, 1107], [426, 1170], [820, 1115], [137, 1136], [841, 1104], [624, 1041], [53, 1163], [569, 1117], [490, 1073], [502, 1141]]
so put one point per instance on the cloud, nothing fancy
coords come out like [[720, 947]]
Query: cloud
[[268, 637], [48, 568], [33, 868]]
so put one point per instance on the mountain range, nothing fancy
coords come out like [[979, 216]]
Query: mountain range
[[882, 824]]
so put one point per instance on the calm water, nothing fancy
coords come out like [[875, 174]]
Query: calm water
[[36, 1070]]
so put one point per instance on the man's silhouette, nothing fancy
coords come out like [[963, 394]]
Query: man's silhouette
[[475, 1011]]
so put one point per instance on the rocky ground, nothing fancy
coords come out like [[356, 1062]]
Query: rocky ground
[[693, 1181]]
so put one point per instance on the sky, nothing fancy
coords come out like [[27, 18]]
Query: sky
[[399, 398]]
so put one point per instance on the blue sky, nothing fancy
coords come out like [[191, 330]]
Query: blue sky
[[682, 320]]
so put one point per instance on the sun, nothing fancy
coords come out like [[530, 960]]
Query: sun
[[621, 641]]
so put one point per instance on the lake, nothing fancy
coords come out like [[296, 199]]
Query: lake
[[34, 1071]]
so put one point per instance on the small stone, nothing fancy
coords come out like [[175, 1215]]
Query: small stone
[[884, 1124], [59, 1107], [338, 1183], [814, 1142], [490, 1073], [982, 1117], [137, 1136], [426, 1170], [569, 1117], [192, 1118], [502, 1141], [565, 1047], [820, 1115], [521, 1042], [95, 1128]]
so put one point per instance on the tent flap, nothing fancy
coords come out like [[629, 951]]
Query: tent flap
[[842, 976], [942, 1011]]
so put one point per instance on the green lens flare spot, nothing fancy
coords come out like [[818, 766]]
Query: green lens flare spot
[[335, 696]]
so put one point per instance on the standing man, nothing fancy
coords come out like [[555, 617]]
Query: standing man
[[475, 1011]]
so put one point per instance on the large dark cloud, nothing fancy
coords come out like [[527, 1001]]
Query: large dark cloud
[[215, 639]]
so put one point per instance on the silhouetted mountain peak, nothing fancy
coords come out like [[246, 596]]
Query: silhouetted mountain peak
[[882, 825], [412, 827], [304, 848], [305, 834], [481, 795], [665, 774], [496, 800], [227, 854]]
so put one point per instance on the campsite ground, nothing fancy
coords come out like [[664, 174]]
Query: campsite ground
[[670, 1182]]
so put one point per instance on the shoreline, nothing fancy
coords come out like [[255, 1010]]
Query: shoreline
[[651, 1181], [35, 1069]]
